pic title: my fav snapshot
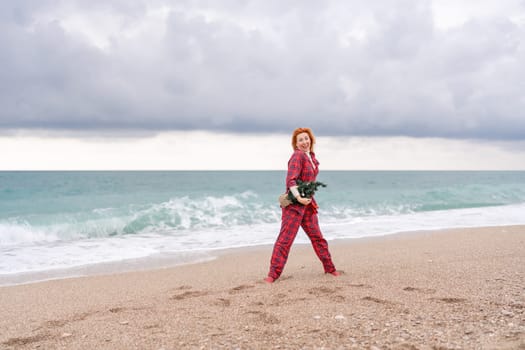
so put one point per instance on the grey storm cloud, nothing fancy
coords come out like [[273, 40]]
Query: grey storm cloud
[[343, 67]]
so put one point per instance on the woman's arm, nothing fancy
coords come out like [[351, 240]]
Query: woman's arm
[[295, 166]]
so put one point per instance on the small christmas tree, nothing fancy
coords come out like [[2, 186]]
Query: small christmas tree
[[306, 189]]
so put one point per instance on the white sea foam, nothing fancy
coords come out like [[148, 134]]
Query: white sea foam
[[22, 233], [49, 255], [432, 220], [102, 218]]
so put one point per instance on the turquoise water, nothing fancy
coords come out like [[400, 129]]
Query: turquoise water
[[57, 220]]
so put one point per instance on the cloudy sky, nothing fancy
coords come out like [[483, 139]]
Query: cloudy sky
[[158, 84]]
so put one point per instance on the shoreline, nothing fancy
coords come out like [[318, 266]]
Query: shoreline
[[172, 260], [447, 289]]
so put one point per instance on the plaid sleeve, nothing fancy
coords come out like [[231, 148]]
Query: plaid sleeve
[[295, 166]]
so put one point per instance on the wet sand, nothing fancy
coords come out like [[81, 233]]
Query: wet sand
[[451, 289]]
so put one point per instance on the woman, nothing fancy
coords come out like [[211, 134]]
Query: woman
[[302, 166]]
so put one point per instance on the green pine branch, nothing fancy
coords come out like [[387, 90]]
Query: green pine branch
[[306, 189]]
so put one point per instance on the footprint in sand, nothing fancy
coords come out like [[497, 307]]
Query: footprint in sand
[[55, 323], [338, 298], [450, 300], [264, 317], [280, 299], [189, 294], [115, 310], [62, 323], [320, 291], [377, 300], [222, 302], [184, 287], [420, 290], [240, 288], [20, 341], [360, 285]]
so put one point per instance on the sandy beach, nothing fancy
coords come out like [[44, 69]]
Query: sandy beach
[[451, 289]]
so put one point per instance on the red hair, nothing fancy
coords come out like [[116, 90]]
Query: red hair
[[300, 131]]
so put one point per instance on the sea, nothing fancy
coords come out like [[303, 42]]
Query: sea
[[56, 224]]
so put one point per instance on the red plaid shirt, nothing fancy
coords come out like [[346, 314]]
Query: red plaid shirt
[[301, 168]]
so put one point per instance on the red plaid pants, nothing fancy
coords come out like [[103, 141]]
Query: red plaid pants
[[293, 217]]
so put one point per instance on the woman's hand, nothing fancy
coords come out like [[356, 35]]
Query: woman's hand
[[304, 201]]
